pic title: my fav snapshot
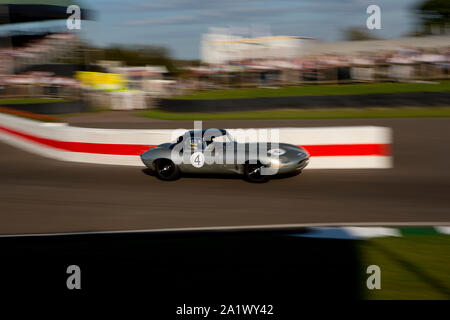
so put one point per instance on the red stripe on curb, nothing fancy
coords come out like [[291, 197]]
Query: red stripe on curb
[[137, 149], [85, 147], [349, 150]]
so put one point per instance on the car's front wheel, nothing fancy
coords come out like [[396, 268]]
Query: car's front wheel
[[252, 173], [166, 170]]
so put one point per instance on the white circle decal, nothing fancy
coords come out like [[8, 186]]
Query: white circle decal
[[276, 152], [197, 159]]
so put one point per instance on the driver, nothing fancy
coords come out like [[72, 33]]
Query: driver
[[196, 144]]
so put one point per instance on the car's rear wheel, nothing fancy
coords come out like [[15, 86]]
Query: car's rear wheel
[[252, 173], [166, 170]]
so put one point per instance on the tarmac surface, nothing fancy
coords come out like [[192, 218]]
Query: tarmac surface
[[40, 195]]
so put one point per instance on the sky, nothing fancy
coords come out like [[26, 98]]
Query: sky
[[179, 24]]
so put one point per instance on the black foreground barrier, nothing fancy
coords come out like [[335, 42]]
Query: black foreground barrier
[[176, 269], [413, 99]]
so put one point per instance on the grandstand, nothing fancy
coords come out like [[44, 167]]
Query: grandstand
[[30, 60]]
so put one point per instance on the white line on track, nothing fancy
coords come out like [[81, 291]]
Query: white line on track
[[241, 228]]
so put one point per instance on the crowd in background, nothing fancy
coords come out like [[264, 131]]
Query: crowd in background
[[20, 77], [403, 64], [20, 53]]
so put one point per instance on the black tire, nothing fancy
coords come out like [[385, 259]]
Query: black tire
[[166, 170], [252, 173]]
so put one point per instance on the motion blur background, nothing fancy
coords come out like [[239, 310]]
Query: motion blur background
[[135, 53], [237, 64]]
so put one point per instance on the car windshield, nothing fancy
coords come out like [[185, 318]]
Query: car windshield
[[196, 144], [224, 138]]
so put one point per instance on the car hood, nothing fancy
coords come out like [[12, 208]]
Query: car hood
[[282, 147]]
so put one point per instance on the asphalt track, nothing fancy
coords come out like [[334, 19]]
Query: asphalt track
[[40, 195]]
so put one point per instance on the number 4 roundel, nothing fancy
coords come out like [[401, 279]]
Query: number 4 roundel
[[197, 159]]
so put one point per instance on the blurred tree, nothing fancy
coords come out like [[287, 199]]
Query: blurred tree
[[357, 34], [434, 16], [140, 56], [88, 55]]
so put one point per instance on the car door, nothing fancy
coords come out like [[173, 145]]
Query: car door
[[193, 153], [215, 161]]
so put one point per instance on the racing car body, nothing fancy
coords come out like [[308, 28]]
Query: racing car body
[[214, 151]]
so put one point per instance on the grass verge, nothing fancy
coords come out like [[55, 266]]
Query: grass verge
[[412, 266], [31, 100], [319, 90], [419, 112], [93, 110]]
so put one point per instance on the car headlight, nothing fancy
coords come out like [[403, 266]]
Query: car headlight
[[303, 154], [275, 163]]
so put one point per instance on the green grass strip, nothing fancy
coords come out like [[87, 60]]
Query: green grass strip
[[31, 100], [319, 90], [412, 266], [419, 112]]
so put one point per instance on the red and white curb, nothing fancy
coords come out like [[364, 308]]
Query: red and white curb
[[358, 147]]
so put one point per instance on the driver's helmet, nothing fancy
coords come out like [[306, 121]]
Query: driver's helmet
[[196, 144]]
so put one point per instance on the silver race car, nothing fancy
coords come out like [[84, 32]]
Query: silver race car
[[214, 151]]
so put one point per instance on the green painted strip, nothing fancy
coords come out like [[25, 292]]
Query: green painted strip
[[418, 231]]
